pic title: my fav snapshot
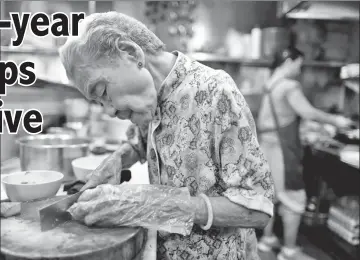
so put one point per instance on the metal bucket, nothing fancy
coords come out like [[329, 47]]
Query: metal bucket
[[52, 152]]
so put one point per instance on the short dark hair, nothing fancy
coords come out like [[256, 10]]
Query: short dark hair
[[281, 56]]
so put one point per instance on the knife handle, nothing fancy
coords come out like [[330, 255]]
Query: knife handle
[[125, 175]]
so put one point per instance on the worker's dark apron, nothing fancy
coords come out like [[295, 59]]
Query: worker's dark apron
[[290, 145]]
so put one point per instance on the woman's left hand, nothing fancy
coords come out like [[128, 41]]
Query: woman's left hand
[[151, 206], [342, 122]]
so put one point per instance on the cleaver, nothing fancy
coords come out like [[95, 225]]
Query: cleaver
[[55, 214]]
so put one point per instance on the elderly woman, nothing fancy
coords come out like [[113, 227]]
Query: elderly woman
[[210, 184]]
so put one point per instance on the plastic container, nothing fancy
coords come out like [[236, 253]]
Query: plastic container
[[256, 43]]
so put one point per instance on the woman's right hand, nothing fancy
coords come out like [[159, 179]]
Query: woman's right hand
[[109, 171], [342, 122]]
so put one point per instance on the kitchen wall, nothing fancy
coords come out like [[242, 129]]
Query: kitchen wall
[[212, 20]]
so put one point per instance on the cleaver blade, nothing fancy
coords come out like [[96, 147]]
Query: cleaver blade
[[55, 214], [30, 209]]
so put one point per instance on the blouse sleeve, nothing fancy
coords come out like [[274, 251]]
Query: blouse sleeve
[[138, 139], [244, 170]]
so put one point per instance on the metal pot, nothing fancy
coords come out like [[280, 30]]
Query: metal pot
[[52, 152]]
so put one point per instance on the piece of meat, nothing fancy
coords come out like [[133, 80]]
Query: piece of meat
[[9, 209]]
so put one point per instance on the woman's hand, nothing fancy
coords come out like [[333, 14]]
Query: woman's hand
[[152, 206], [109, 171], [342, 122]]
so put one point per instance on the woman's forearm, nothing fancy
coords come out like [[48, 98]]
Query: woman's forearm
[[303, 108], [229, 214], [322, 117]]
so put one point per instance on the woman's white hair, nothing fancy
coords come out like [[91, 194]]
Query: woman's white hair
[[98, 36]]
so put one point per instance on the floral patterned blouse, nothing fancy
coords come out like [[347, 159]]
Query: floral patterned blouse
[[203, 137]]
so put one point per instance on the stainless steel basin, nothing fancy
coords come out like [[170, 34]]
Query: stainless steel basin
[[52, 152]]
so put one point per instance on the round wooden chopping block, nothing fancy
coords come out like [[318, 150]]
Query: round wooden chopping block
[[22, 239]]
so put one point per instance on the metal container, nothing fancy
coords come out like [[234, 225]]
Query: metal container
[[52, 152]]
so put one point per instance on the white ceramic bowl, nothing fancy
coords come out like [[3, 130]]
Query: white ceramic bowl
[[85, 165], [32, 185]]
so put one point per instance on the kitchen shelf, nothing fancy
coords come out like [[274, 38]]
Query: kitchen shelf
[[26, 50], [320, 10], [325, 64], [352, 79], [207, 57], [201, 57], [45, 80]]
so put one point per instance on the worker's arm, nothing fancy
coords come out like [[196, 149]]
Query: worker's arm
[[305, 110]]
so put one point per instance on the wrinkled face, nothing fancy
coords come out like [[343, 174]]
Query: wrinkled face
[[293, 67], [125, 90]]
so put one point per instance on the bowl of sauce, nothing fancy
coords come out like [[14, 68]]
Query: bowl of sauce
[[32, 185]]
